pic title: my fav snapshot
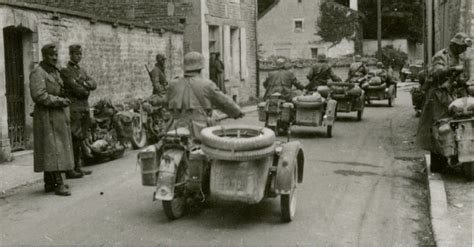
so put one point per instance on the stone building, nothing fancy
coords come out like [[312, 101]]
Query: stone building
[[444, 19], [115, 52], [225, 26], [288, 28]]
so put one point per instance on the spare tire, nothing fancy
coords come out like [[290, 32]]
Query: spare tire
[[220, 154], [226, 137]]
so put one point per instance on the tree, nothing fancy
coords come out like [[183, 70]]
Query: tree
[[337, 22], [400, 19]]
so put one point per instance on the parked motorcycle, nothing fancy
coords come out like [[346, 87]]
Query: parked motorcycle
[[109, 133], [455, 137], [149, 122]]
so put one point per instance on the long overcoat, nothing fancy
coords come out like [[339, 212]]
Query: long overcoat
[[439, 96], [52, 132]]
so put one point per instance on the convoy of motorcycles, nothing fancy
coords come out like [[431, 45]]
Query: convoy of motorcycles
[[247, 163]]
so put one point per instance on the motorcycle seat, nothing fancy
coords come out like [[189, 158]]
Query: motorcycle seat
[[179, 132]]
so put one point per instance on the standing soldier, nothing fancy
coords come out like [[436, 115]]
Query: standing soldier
[[53, 152], [446, 68], [357, 68], [158, 76], [320, 73], [192, 98], [77, 86], [281, 81], [216, 71]]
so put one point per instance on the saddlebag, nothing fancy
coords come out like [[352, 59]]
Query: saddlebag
[[149, 165], [286, 110], [261, 111]]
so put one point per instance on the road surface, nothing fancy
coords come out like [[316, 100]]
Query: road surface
[[363, 187]]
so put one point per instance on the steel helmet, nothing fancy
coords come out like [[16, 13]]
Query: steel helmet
[[280, 62], [193, 61], [357, 58], [461, 39]]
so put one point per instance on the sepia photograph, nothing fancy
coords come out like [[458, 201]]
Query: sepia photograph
[[237, 123]]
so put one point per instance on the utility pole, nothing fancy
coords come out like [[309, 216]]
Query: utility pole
[[379, 29]]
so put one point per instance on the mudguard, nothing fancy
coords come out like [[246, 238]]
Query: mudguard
[[330, 115], [169, 162], [291, 155]]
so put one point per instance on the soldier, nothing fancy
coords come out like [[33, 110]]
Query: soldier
[[320, 73], [357, 68], [192, 98], [281, 81], [53, 152], [77, 86], [216, 71], [158, 76], [445, 70]]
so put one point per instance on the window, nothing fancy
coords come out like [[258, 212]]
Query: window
[[299, 1], [298, 25], [314, 52]]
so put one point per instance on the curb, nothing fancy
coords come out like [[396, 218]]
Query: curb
[[10, 191], [438, 206]]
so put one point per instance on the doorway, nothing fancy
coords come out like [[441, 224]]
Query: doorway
[[15, 89]]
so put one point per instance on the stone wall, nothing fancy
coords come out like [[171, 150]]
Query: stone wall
[[114, 54]]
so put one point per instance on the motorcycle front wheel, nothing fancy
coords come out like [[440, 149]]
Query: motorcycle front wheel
[[139, 136]]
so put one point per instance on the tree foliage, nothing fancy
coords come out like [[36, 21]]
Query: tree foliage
[[337, 22], [400, 19], [393, 57]]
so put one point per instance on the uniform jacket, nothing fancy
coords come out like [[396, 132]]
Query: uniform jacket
[[319, 75], [357, 67], [77, 86], [216, 74], [439, 96], [51, 130], [281, 81], [191, 100], [158, 79]]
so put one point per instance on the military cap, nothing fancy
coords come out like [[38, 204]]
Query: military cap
[[160, 57], [461, 39], [75, 48], [322, 58], [48, 49]]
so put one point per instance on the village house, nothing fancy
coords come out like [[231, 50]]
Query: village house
[[225, 26], [288, 28], [115, 52]]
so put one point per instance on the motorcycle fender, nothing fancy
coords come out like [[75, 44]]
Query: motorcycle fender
[[330, 114], [291, 155], [168, 168]]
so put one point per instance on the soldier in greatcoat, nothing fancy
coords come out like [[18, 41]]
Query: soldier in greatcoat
[[281, 81], [53, 152], [320, 74], [441, 86], [78, 85]]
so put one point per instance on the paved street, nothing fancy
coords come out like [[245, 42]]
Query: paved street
[[363, 187]]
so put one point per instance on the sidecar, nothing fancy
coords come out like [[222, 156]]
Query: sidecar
[[233, 164]]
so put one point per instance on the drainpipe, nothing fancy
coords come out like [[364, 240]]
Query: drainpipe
[[257, 65]]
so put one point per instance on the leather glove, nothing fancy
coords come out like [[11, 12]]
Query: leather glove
[[241, 115], [65, 101], [457, 68]]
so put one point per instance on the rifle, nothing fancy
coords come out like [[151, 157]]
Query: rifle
[[357, 70], [149, 73], [320, 74]]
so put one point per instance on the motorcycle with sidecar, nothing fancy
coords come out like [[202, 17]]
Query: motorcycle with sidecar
[[377, 89], [349, 96], [233, 164], [315, 109], [455, 137]]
